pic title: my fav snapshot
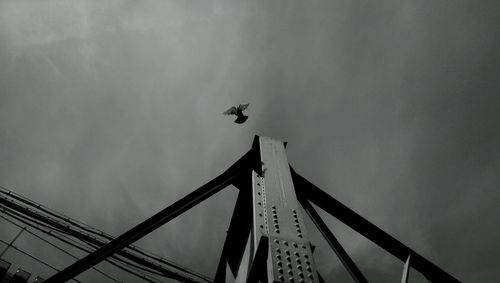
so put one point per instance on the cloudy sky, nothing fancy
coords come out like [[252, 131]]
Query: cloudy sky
[[111, 110]]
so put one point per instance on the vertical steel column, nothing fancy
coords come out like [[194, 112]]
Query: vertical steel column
[[406, 271], [236, 239], [277, 219]]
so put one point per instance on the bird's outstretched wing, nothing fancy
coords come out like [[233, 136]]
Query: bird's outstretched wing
[[231, 111], [243, 106]]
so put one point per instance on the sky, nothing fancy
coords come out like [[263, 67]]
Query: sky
[[112, 110]]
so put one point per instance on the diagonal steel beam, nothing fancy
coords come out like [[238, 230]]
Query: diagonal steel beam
[[321, 280], [236, 237], [155, 221], [258, 268], [8, 205], [12, 207], [369, 230], [333, 242]]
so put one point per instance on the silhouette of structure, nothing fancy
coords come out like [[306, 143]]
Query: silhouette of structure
[[267, 240]]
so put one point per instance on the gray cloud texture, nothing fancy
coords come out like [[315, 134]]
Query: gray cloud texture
[[111, 110]]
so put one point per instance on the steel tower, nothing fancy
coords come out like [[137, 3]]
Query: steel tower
[[267, 240]]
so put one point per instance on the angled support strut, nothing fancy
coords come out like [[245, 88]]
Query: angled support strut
[[333, 242], [369, 230], [236, 236], [154, 222]]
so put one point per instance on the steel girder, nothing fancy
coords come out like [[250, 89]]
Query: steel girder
[[278, 249], [155, 221], [369, 230]]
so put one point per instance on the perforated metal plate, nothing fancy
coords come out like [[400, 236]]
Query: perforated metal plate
[[277, 216]]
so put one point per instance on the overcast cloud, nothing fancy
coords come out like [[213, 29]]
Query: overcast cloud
[[112, 110]]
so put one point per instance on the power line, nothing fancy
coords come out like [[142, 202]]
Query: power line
[[57, 247], [93, 234], [65, 237], [66, 229], [67, 240]]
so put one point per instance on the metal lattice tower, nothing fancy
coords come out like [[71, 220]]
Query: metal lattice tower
[[267, 240]]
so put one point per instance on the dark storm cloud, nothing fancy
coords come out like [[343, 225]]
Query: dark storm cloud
[[116, 109]]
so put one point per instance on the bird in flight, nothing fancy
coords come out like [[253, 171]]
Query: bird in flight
[[238, 111]]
